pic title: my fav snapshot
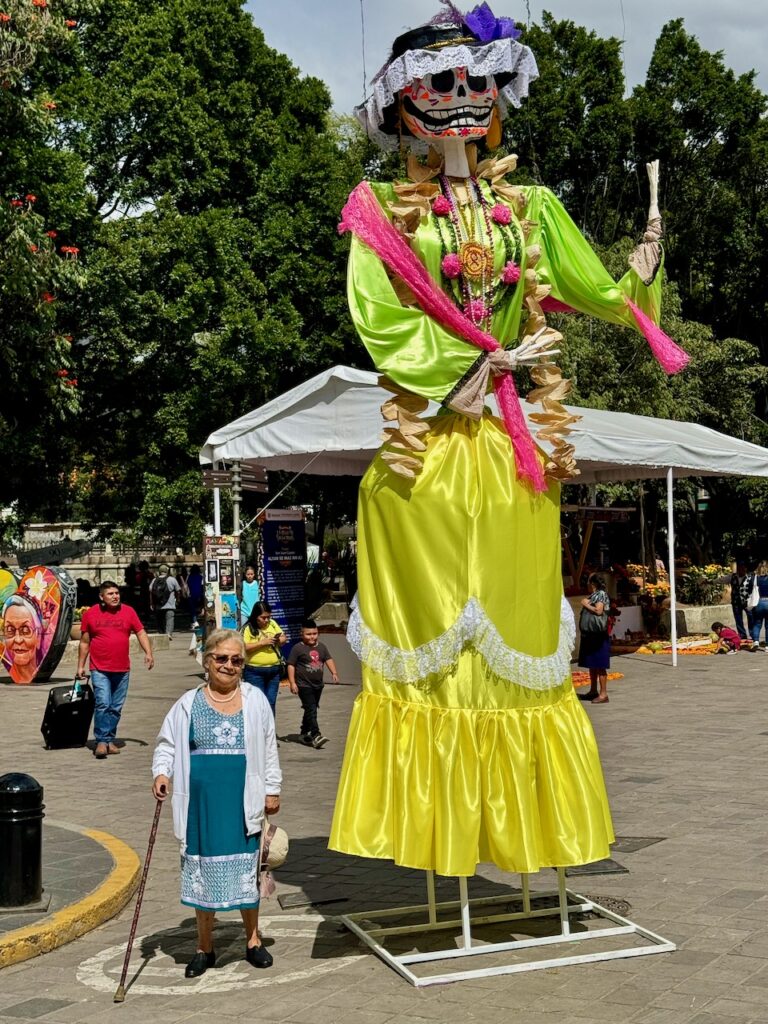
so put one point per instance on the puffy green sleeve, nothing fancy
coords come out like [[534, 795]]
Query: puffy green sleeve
[[404, 343], [575, 273]]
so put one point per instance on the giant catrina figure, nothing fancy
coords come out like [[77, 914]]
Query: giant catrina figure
[[467, 743]]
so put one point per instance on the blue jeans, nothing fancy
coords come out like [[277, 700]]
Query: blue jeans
[[267, 678], [760, 618], [738, 618], [110, 690]]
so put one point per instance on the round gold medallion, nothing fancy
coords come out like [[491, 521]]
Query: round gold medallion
[[476, 260]]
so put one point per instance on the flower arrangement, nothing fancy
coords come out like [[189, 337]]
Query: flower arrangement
[[80, 612], [701, 586]]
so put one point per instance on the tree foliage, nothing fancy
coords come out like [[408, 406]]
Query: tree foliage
[[200, 176]]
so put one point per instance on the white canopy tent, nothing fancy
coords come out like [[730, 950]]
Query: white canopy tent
[[332, 425]]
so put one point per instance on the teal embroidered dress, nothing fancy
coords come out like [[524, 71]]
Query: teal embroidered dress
[[219, 868]]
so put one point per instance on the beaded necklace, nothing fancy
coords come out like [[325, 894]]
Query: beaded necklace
[[470, 237]]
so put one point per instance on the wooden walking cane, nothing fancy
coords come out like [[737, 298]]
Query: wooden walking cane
[[119, 996]]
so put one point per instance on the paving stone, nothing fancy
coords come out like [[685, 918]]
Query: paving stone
[[31, 1009]]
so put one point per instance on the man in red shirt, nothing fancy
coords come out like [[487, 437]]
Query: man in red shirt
[[106, 633]]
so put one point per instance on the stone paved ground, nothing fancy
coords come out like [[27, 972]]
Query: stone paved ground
[[685, 758]]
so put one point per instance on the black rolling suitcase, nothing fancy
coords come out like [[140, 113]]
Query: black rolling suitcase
[[68, 716]]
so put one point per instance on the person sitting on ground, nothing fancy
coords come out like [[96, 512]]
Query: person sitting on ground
[[306, 662], [218, 744], [728, 640]]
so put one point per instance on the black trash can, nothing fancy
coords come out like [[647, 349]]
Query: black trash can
[[21, 840]]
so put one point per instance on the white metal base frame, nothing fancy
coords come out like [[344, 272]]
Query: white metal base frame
[[363, 925]]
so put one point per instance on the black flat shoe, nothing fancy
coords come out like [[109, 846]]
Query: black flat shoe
[[257, 956], [199, 964]]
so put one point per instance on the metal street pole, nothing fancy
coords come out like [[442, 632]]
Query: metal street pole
[[236, 496]]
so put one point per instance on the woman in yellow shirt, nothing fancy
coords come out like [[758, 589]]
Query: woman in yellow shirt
[[263, 640]]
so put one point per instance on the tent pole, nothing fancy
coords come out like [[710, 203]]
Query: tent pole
[[671, 557], [216, 508], [295, 476]]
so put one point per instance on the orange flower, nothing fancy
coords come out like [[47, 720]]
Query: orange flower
[[39, 3], [4, 18], [49, 105], [62, 373], [51, 234], [33, 248], [67, 338], [47, 297], [70, 23], [30, 198], [16, 203]]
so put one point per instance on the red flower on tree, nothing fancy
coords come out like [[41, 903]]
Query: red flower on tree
[[39, 3], [4, 18], [16, 203], [67, 338], [50, 105], [33, 248], [70, 23], [30, 198], [62, 373], [47, 297], [51, 234]]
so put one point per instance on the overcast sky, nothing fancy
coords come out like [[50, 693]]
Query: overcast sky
[[323, 37]]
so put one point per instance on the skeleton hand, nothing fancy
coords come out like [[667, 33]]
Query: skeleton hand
[[532, 349], [653, 182]]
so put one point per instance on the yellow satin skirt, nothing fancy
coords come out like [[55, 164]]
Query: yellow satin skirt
[[467, 743]]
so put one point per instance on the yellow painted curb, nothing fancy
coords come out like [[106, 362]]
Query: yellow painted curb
[[78, 918]]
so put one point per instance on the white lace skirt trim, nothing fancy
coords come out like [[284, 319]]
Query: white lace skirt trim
[[473, 629], [489, 59]]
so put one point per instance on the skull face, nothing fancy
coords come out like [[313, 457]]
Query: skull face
[[449, 103]]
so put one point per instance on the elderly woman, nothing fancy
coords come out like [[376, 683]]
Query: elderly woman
[[22, 638], [218, 745]]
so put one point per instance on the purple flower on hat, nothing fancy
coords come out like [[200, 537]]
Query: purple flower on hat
[[484, 24]]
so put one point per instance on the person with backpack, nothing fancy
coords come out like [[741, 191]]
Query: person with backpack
[[162, 596]]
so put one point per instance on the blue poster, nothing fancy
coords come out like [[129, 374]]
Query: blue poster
[[284, 548]]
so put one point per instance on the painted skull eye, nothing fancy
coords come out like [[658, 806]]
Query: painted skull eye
[[443, 81], [477, 83]]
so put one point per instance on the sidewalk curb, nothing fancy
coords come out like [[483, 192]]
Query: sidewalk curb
[[74, 920]]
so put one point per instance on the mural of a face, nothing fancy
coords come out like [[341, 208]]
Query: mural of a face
[[449, 104], [22, 639], [36, 620]]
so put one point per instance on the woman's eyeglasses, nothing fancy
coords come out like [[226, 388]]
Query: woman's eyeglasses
[[234, 659], [11, 631]]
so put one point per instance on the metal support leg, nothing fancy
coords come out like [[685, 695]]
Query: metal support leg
[[431, 897], [466, 928], [526, 886], [562, 897]]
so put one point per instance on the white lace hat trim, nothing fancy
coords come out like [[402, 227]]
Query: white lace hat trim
[[473, 629], [500, 55]]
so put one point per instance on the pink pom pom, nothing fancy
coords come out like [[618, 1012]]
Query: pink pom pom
[[441, 206], [501, 214], [511, 273], [451, 265], [476, 310]]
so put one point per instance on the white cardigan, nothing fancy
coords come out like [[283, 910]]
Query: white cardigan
[[262, 765]]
